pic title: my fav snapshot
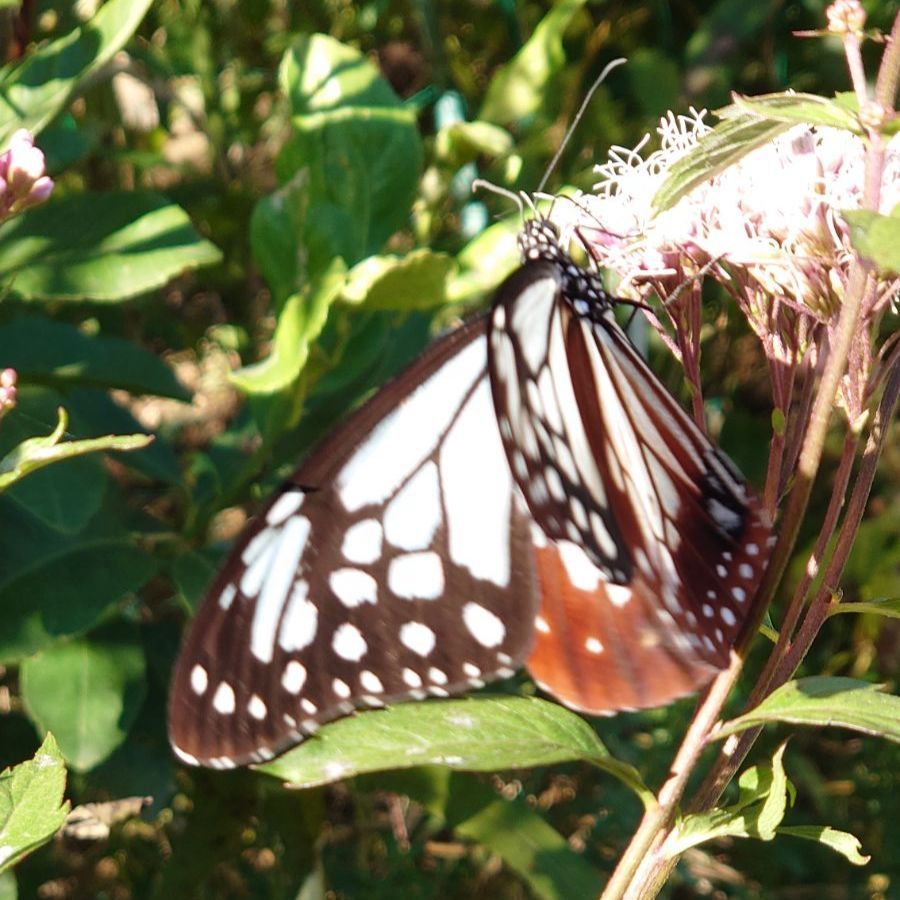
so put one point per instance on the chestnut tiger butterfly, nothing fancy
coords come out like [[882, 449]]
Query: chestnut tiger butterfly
[[527, 493]]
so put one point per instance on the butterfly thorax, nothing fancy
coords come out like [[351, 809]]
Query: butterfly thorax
[[583, 289]]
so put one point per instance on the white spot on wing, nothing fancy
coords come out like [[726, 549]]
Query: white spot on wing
[[348, 643], [340, 688], [412, 678], [223, 699], [353, 587], [257, 708], [583, 574], [294, 677], [593, 645], [284, 507], [370, 682], [416, 576], [362, 542], [484, 625], [199, 680], [226, 598], [417, 637], [298, 627]]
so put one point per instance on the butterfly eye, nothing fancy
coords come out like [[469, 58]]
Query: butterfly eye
[[526, 494]]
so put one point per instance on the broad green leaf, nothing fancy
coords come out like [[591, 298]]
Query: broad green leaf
[[887, 607], [525, 842], [35, 453], [485, 261], [192, 573], [99, 247], [826, 701], [35, 91], [520, 88], [464, 142], [839, 841], [87, 691], [50, 352], [758, 812], [299, 323], [796, 109], [54, 585], [320, 74], [415, 281], [727, 143], [355, 153], [876, 237], [480, 734], [9, 889], [31, 803]]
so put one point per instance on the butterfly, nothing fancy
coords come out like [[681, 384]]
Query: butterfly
[[526, 493]]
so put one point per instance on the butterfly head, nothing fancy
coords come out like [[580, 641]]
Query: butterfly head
[[539, 239]]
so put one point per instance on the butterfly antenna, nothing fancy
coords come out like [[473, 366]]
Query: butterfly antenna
[[479, 183], [578, 117]]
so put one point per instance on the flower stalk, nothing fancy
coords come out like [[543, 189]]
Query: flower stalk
[[815, 304]]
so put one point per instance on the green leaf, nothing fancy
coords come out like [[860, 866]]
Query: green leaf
[[525, 842], [87, 691], [876, 237], [480, 734], [727, 143], [9, 889], [31, 803], [520, 88], [887, 607], [299, 323], [320, 74], [36, 453], [840, 841], [826, 701], [356, 156], [99, 247], [757, 813], [463, 142], [485, 261], [46, 351], [415, 281], [42, 86], [54, 585], [807, 109]]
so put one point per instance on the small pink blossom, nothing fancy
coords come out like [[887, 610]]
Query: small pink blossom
[[7, 391], [23, 181]]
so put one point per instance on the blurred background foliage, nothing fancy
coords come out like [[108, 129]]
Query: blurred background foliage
[[210, 106]]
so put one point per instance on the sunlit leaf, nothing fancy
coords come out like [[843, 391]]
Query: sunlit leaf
[[31, 803], [476, 734], [99, 247], [727, 143], [38, 452], [840, 841], [35, 91], [876, 237], [826, 701], [415, 281], [796, 109], [520, 87]]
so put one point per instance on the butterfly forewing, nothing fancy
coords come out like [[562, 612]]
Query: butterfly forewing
[[394, 565], [658, 545]]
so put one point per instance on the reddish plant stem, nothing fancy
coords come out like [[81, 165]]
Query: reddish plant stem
[[736, 748]]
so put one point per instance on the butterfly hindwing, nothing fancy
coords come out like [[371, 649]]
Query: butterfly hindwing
[[393, 565]]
